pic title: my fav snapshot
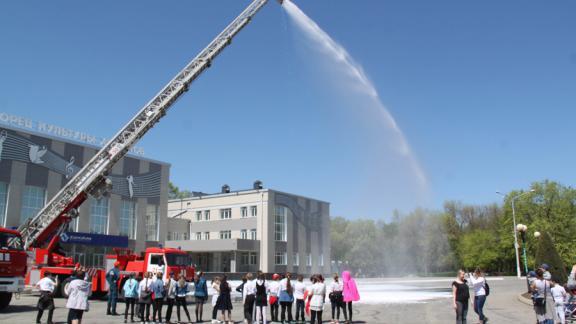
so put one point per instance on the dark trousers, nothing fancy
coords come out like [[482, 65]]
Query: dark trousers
[[274, 311], [112, 298], [214, 312], [336, 310], [41, 311], [286, 306], [157, 309], [300, 305], [46, 301], [479, 306], [147, 307], [249, 307], [316, 317], [461, 312], [129, 301], [349, 310], [170, 303], [181, 301]]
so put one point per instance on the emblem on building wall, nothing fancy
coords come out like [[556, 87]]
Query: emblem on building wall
[[36, 153], [70, 168], [130, 180]]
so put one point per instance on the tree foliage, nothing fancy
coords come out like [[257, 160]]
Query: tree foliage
[[175, 193]]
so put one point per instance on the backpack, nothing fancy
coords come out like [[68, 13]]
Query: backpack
[[486, 288]]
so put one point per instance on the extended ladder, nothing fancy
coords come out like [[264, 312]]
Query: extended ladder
[[59, 210]]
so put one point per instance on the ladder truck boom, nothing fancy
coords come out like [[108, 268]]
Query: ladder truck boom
[[53, 218]]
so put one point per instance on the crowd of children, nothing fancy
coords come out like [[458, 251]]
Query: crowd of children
[[147, 295]]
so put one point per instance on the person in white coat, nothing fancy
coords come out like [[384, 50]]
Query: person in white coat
[[78, 292]]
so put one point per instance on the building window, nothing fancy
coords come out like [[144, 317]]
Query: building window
[[152, 223], [245, 258], [280, 258], [225, 235], [253, 234], [309, 260], [206, 235], [198, 236], [253, 258], [226, 213], [32, 201], [3, 202], [321, 260], [99, 215], [296, 259], [280, 217], [254, 211], [244, 234], [206, 215], [244, 212], [128, 219], [198, 216]]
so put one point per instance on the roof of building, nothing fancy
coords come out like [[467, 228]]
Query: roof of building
[[239, 192]]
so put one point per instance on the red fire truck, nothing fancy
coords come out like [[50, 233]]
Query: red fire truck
[[40, 235]]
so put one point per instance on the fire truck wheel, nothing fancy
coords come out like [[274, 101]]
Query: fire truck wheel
[[5, 298], [62, 287]]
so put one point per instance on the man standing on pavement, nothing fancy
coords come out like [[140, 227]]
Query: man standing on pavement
[[112, 277], [46, 300]]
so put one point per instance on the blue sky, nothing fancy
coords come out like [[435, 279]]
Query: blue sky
[[484, 93]]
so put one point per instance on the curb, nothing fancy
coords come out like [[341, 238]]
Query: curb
[[525, 300]]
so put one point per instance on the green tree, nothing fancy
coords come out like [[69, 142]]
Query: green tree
[[477, 251], [546, 253], [175, 193]]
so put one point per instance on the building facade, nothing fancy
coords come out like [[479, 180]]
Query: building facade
[[250, 230], [34, 167]]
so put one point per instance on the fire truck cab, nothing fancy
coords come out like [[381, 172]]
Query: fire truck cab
[[13, 264], [153, 260]]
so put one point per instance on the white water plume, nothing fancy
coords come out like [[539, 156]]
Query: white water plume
[[357, 80]]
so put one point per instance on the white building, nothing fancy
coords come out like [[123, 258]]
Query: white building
[[250, 230]]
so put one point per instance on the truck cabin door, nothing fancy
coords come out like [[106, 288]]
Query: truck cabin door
[[156, 263]]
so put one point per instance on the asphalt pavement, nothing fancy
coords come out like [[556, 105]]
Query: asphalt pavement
[[502, 306]]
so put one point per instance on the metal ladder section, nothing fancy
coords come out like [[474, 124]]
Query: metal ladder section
[[91, 175]]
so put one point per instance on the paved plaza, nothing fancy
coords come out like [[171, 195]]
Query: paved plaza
[[503, 305]]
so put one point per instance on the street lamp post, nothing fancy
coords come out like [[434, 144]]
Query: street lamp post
[[522, 229], [516, 245]]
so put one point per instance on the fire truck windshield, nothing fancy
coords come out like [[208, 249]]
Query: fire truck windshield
[[178, 259], [9, 241]]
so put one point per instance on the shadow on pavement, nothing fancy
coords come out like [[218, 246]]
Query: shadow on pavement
[[19, 309]]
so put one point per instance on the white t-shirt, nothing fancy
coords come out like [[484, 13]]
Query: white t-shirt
[[478, 285], [336, 286], [46, 284], [559, 294], [249, 288], [274, 288], [284, 284], [318, 291], [299, 288], [144, 285]]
